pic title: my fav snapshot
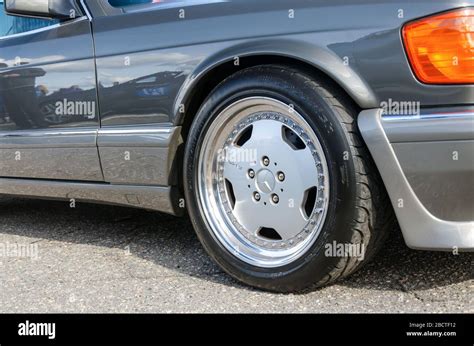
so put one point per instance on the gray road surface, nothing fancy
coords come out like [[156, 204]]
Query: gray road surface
[[110, 259]]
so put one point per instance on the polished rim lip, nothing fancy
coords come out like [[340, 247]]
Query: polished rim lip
[[209, 198]]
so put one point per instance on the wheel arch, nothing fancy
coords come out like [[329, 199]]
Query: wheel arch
[[311, 59]]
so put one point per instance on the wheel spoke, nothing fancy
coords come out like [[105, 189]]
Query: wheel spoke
[[265, 133], [288, 221], [308, 177], [234, 167], [285, 218], [246, 210]]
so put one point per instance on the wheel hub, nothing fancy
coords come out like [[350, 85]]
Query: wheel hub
[[267, 203], [265, 182]]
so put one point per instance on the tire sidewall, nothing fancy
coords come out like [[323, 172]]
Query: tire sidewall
[[296, 90]]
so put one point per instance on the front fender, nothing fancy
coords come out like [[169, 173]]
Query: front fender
[[321, 58]]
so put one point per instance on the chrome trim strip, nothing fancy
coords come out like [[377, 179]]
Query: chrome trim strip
[[429, 127], [48, 132], [137, 137], [86, 10], [53, 138], [134, 130], [164, 5], [46, 28], [159, 198], [424, 116], [431, 113], [421, 230]]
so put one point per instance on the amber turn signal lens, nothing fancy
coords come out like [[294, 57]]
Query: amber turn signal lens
[[440, 48]]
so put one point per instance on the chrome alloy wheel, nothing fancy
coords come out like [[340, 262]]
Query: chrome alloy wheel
[[263, 182]]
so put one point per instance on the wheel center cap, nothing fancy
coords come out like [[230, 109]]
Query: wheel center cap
[[265, 181]]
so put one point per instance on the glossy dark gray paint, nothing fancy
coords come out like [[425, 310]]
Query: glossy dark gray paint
[[157, 42], [37, 70], [40, 68], [59, 154], [150, 63]]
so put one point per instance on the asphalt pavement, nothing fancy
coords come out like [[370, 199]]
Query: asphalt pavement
[[97, 258]]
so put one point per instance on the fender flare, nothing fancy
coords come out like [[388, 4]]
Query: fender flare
[[320, 58]]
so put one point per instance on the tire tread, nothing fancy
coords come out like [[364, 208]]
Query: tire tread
[[374, 214]]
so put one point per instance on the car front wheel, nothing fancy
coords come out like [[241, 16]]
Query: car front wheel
[[278, 182]]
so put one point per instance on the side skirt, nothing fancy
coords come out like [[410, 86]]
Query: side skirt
[[160, 198]]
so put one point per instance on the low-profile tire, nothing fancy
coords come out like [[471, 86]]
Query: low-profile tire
[[271, 131]]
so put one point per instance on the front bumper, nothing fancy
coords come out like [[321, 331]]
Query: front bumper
[[427, 165]]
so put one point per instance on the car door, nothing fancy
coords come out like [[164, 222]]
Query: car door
[[137, 141], [48, 99]]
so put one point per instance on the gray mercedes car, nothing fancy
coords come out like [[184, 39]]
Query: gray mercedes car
[[295, 134]]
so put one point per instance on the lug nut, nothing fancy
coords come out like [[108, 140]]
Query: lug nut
[[281, 176], [266, 161], [275, 199], [256, 196], [251, 173]]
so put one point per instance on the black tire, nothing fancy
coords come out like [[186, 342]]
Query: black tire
[[359, 210]]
